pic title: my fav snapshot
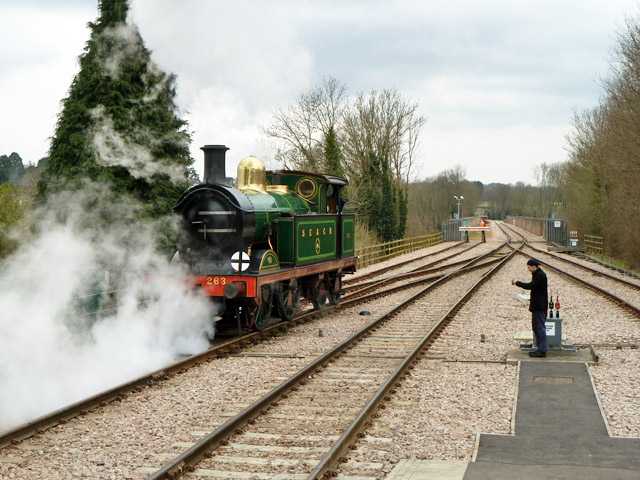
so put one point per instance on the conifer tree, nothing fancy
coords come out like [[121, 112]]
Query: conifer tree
[[332, 154], [119, 124], [387, 216], [11, 168], [403, 212]]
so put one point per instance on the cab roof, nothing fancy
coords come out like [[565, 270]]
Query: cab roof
[[330, 179]]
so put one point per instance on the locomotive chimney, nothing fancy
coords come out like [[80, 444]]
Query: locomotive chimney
[[214, 163]]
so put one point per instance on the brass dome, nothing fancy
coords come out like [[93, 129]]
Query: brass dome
[[252, 175]]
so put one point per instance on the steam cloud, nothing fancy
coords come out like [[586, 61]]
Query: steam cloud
[[112, 149], [126, 40], [52, 353]]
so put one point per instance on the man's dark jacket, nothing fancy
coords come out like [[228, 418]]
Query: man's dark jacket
[[538, 286]]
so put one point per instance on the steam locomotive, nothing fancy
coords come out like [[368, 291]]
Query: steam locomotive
[[278, 238]]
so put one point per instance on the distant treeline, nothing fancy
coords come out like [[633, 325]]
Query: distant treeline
[[603, 173], [11, 168], [597, 190], [432, 200]]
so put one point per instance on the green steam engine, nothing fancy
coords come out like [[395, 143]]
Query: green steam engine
[[278, 238]]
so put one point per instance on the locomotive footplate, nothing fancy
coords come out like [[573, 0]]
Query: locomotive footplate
[[249, 285]]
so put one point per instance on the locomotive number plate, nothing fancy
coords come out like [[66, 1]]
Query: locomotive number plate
[[217, 281], [213, 285]]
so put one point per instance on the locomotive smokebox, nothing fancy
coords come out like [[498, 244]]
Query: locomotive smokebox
[[214, 164]]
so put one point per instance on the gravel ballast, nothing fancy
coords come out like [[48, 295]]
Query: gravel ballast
[[445, 404]]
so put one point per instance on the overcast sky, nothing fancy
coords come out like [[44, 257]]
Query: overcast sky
[[497, 80]]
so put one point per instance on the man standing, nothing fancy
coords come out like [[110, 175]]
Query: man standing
[[537, 305]]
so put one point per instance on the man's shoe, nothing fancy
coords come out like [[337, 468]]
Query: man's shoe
[[538, 354]]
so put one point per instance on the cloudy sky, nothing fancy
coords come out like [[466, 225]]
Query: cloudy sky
[[497, 80]]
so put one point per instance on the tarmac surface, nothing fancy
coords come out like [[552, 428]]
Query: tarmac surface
[[560, 432]]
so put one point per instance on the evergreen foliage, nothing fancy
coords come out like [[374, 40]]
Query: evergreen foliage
[[370, 200], [386, 215], [11, 168], [379, 206], [119, 123], [403, 212], [332, 154], [13, 207]]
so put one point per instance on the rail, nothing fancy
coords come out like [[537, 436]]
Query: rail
[[384, 251], [186, 462], [47, 421], [102, 301]]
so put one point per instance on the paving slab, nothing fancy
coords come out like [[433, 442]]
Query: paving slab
[[499, 471], [579, 355], [559, 431], [416, 469]]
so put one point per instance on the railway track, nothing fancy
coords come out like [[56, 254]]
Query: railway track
[[224, 347], [331, 400], [614, 277], [605, 265], [421, 276], [425, 273], [620, 291], [423, 261], [253, 441], [115, 396]]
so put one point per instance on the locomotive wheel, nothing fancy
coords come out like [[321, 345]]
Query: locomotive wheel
[[288, 299], [319, 296], [262, 312], [334, 295]]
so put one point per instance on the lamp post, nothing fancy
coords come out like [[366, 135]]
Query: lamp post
[[459, 199]]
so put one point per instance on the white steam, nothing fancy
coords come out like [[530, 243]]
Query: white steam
[[126, 42], [112, 149], [54, 348], [60, 341]]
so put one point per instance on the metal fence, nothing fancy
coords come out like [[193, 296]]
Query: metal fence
[[450, 232], [536, 226], [450, 228], [557, 231], [551, 229], [384, 251]]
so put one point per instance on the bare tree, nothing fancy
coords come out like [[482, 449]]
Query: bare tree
[[432, 200], [300, 131], [383, 125], [375, 137]]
